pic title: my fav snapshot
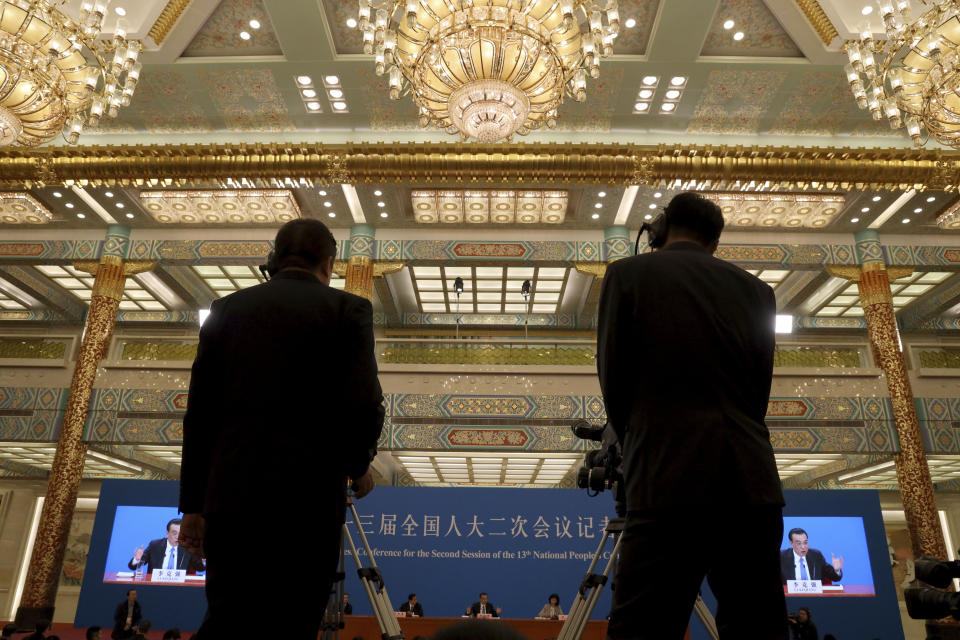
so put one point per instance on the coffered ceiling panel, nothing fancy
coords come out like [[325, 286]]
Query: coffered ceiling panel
[[453, 206], [771, 210], [19, 207], [221, 207], [748, 28], [236, 28]]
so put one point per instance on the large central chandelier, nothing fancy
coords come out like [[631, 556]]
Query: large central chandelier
[[56, 75], [911, 78], [488, 68]]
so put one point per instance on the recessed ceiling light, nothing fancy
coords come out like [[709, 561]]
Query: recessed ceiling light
[[864, 210], [918, 210], [313, 105], [648, 217], [931, 198], [304, 80], [738, 36], [630, 23], [867, 10], [728, 25], [658, 195], [645, 94], [119, 205], [676, 81], [244, 35], [378, 192], [322, 192], [69, 205], [109, 194], [129, 215], [309, 93], [641, 106], [653, 206], [81, 216], [328, 204], [876, 198], [602, 194], [905, 220], [595, 216], [667, 106], [673, 94], [331, 79], [339, 106], [254, 24], [332, 214], [598, 206], [381, 204], [383, 214], [650, 80], [57, 194], [854, 219], [336, 93], [352, 23], [120, 11]]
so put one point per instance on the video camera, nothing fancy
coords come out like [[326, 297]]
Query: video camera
[[924, 603], [602, 468]]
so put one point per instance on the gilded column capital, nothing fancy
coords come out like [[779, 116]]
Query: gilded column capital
[[595, 269], [383, 268], [847, 273]]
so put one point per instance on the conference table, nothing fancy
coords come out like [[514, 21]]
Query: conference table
[[366, 627], [111, 577]]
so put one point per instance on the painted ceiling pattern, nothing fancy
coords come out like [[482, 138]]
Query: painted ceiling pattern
[[22, 208], [219, 36], [249, 100], [763, 35], [735, 101]]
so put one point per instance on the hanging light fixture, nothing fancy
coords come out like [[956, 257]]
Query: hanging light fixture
[[911, 78], [56, 74], [488, 69]]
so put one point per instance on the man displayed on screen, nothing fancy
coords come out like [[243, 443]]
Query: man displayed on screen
[[166, 553], [800, 562], [284, 410], [411, 607], [685, 358], [483, 607]]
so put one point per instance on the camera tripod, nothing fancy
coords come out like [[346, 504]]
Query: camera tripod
[[589, 591], [372, 581]]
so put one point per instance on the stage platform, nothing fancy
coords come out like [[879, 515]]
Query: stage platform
[[366, 627]]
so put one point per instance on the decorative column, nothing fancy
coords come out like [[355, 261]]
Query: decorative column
[[616, 244], [43, 574], [916, 488], [359, 268]]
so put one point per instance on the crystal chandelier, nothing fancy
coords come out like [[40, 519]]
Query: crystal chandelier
[[912, 78], [488, 68], [56, 75]]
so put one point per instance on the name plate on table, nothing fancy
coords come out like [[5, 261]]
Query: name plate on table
[[804, 586], [168, 575], [484, 615]]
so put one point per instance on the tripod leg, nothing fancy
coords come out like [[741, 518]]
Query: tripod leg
[[376, 593], [703, 612]]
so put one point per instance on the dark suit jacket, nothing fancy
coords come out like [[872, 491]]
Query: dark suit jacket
[[417, 608], [152, 558], [685, 357], [120, 620], [817, 565], [348, 609], [284, 374], [491, 609]]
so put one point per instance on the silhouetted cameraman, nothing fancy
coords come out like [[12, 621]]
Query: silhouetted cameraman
[[284, 407], [685, 357]]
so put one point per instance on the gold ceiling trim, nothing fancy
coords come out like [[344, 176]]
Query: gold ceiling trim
[[167, 18], [819, 20], [716, 167]]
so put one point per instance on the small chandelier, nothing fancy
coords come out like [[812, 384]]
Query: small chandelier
[[56, 76], [913, 77], [488, 69]]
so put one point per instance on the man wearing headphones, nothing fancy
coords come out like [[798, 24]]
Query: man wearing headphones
[[285, 378], [685, 358]]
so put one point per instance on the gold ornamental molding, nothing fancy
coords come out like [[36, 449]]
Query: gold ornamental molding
[[596, 269], [167, 18], [819, 20], [130, 267], [689, 166], [853, 273], [380, 268]]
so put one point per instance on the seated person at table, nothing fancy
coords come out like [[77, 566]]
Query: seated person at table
[[166, 553], [346, 606], [483, 607], [552, 609], [800, 562], [411, 607]]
